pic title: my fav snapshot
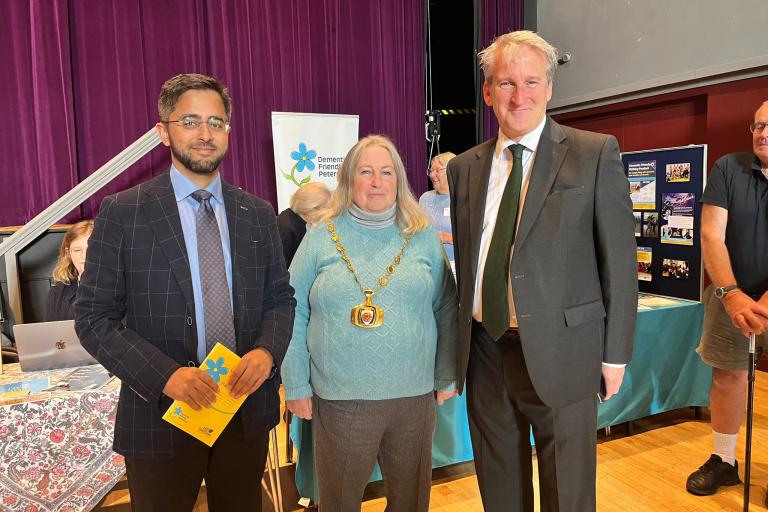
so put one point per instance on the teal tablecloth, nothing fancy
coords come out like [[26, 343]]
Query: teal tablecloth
[[665, 374]]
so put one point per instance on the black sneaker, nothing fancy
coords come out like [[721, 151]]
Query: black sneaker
[[711, 476]]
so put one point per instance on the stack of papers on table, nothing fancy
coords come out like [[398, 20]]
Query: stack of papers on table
[[86, 378], [649, 301]]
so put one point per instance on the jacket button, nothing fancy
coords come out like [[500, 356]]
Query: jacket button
[[189, 320]]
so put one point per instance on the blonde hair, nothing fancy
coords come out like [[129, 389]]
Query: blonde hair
[[509, 43], [309, 201], [410, 218], [443, 158], [65, 271]]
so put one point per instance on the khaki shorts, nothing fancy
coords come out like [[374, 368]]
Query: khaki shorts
[[722, 345]]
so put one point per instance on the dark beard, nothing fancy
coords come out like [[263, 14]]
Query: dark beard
[[196, 166]]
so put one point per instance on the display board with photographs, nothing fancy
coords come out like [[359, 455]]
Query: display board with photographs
[[644, 263], [665, 188]]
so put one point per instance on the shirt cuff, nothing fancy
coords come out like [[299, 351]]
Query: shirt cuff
[[445, 385], [613, 365]]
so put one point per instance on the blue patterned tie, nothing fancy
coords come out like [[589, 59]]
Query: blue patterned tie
[[496, 273], [217, 309]]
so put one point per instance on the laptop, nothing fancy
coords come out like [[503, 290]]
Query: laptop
[[49, 346]]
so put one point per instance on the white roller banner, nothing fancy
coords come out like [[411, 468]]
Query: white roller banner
[[309, 147]]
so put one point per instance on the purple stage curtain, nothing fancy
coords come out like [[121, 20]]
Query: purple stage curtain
[[497, 17], [122, 52], [39, 162], [89, 73]]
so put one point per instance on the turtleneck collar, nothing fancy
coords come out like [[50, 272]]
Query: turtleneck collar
[[373, 220]]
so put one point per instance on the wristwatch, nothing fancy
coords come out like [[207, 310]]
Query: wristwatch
[[722, 291]]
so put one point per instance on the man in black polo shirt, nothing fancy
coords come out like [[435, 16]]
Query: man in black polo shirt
[[734, 241]]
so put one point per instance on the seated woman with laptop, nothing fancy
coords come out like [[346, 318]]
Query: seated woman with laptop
[[66, 273], [54, 344]]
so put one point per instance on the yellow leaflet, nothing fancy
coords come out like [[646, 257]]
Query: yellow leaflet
[[207, 424]]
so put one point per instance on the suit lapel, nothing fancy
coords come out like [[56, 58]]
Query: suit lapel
[[549, 158], [163, 215], [239, 243], [479, 174]]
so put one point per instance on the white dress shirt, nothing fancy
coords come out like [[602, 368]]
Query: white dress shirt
[[501, 168]]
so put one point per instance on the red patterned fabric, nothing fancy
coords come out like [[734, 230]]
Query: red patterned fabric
[[56, 451]]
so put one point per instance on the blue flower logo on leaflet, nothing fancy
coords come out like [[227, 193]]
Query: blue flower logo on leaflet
[[304, 160], [216, 369], [178, 412]]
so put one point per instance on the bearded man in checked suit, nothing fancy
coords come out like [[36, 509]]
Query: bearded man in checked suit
[[145, 310]]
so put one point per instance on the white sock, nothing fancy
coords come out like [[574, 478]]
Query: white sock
[[724, 445]]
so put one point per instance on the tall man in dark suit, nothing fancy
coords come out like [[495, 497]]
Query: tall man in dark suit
[[545, 257], [174, 265]]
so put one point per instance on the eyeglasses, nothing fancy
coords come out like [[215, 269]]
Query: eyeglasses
[[757, 127], [193, 123], [439, 170]]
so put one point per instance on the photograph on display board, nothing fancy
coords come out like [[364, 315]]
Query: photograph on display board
[[642, 184], [638, 223], [679, 173], [651, 224], [644, 262], [677, 210], [675, 269]]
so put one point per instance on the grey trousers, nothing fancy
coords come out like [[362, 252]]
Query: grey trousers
[[502, 406], [350, 435]]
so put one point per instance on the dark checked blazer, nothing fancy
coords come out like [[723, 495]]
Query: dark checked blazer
[[135, 312]]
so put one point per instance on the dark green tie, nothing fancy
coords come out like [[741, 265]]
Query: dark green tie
[[496, 274]]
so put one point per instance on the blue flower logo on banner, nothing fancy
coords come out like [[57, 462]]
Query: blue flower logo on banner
[[216, 369], [304, 161]]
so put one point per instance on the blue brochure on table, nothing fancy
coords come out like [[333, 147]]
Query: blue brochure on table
[[24, 387]]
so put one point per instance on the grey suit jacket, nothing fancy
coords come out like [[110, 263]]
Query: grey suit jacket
[[135, 309], [573, 271]]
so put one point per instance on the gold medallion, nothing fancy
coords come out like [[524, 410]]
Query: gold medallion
[[367, 315]]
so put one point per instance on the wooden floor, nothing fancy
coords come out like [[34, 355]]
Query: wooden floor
[[643, 472]]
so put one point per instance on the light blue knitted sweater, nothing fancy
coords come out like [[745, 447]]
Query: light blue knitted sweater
[[414, 351]]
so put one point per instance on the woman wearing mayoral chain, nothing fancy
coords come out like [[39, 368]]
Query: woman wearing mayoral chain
[[373, 342]]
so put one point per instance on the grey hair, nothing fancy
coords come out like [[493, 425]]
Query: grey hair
[[510, 42], [309, 200], [443, 158]]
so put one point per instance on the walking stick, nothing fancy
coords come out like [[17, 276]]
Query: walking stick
[[750, 413]]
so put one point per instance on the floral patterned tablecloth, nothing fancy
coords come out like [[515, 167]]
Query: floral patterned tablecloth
[[56, 449]]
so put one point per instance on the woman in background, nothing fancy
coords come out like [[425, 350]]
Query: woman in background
[[305, 205], [437, 202], [66, 274]]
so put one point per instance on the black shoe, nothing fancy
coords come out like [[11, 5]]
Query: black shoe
[[711, 476]]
